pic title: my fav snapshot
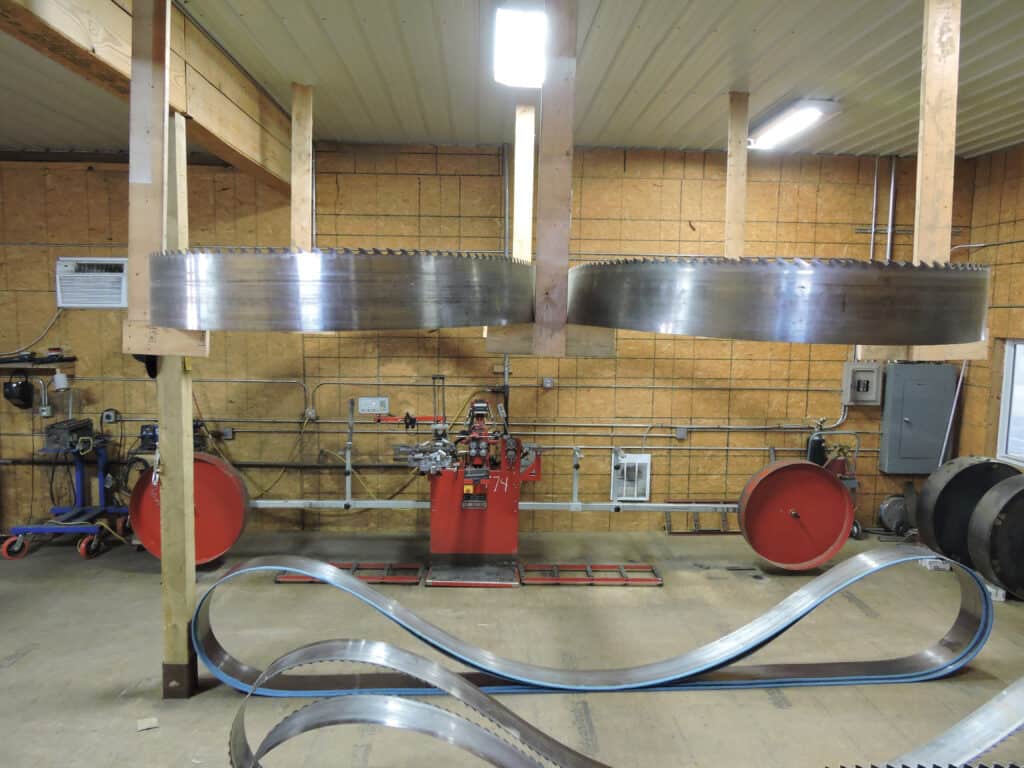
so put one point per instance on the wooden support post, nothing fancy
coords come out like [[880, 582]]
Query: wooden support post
[[936, 136], [554, 196], [152, 203], [736, 175], [177, 508], [147, 150], [522, 183], [177, 525], [302, 167]]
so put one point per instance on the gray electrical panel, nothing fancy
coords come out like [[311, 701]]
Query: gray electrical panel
[[918, 401]]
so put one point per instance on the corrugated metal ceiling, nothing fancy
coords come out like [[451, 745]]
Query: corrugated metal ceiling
[[47, 107], [651, 73]]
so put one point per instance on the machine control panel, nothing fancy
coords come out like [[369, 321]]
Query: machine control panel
[[374, 405]]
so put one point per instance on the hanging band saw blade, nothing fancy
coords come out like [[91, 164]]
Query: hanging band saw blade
[[828, 301], [336, 290]]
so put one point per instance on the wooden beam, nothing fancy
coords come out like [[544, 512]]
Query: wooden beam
[[554, 197], [936, 136], [522, 182], [936, 155], [148, 183], [302, 167], [147, 151], [736, 175], [233, 117]]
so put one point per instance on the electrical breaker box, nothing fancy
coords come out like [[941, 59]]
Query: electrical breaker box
[[915, 416], [374, 405], [862, 383]]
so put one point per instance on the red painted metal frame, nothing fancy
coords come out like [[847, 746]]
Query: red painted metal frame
[[592, 575], [368, 572]]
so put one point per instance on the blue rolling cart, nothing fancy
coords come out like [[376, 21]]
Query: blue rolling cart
[[81, 518]]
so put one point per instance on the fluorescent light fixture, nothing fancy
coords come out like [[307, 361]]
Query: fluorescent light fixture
[[794, 119], [520, 47]]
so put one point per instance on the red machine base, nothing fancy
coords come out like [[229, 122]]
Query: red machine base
[[475, 518]]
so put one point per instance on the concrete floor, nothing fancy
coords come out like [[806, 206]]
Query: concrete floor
[[80, 658]]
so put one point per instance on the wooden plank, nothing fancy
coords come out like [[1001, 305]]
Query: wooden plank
[[936, 137], [554, 197], [207, 59], [239, 136], [147, 188], [93, 39], [147, 151], [302, 167], [522, 182], [90, 37], [177, 185], [736, 175], [935, 353]]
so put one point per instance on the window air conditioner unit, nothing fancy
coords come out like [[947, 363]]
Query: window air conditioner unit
[[84, 283]]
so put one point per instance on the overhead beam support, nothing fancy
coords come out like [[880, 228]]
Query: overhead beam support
[[736, 175], [302, 167], [230, 114], [554, 188], [522, 182], [936, 135], [936, 157]]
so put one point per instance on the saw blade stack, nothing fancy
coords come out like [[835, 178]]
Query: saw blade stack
[[833, 301]]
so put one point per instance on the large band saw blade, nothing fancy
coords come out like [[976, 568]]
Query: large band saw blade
[[832, 301], [342, 290]]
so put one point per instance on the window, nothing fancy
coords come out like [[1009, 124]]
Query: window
[[1011, 416]]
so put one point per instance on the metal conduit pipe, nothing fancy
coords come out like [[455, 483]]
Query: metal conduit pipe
[[892, 210], [135, 379], [504, 199], [874, 211], [569, 430]]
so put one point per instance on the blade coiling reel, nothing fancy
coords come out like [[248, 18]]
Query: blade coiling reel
[[836, 301]]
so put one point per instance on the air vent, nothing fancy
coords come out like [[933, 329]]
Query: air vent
[[631, 476], [92, 283]]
